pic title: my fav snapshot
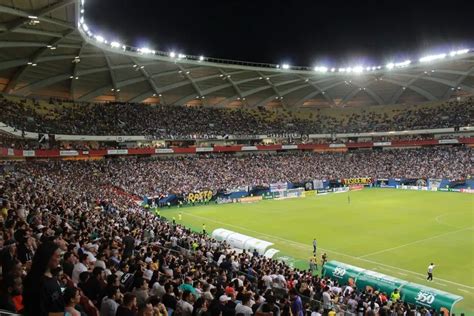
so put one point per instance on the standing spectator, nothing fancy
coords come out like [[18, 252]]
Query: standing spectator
[[72, 297], [128, 307], [42, 294], [109, 302]]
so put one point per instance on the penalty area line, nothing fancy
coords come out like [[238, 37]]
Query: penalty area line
[[307, 246]]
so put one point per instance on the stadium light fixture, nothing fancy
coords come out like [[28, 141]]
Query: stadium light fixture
[[341, 70], [85, 27], [34, 65], [146, 50], [172, 54], [181, 56], [432, 57], [32, 17], [159, 95], [333, 69], [99, 38], [390, 66], [349, 69], [285, 66], [321, 69], [201, 58], [358, 69], [115, 44], [458, 52], [77, 78]]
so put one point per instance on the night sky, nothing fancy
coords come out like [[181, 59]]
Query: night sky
[[305, 33]]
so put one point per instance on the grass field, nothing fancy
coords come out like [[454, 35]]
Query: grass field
[[394, 232]]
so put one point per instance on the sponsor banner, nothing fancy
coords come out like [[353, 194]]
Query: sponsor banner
[[164, 151], [412, 187], [28, 153], [434, 183], [268, 196], [250, 199], [470, 191], [249, 148], [363, 181], [381, 144], [318, 184], [289, 147], [448, 141], [279, 186], [68, 153], [388, 186], [341, 190], [324, 191], [117, 152], [199, 197], [10, 152], [204, 149], [356, 187], [337, 145]]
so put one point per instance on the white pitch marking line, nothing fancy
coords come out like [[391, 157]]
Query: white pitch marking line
[[414, 242], [463, 290], [402, 273], [305, 246], [442, 284]]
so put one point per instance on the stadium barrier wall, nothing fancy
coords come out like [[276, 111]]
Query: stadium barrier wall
[[56, 153]]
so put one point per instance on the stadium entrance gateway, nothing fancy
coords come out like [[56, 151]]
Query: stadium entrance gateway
[[411, 293]]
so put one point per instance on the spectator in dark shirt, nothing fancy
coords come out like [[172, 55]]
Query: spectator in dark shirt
[[42, 294], [69, 261], [128, 307], [129, 244]]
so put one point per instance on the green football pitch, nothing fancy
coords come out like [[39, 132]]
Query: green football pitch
[[394, 232]]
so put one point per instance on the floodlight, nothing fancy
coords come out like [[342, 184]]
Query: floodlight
[[285, 66], [358, 69], [432, 57], [99, 39], [172, 54]]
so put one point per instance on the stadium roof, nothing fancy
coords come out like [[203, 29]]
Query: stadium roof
[[47, 50]]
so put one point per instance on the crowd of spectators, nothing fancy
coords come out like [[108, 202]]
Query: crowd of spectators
[[188, 122], [71, 243], [218, 172]]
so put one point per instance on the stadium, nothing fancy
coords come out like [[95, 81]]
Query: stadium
[[137, 181]]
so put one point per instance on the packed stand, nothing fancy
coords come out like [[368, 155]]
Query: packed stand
[[218, 172], [191, 122], [71, 244]]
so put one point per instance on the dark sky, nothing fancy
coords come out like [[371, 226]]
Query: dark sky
[[301, 32]]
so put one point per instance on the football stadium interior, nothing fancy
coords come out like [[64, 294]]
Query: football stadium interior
[[144, 182]]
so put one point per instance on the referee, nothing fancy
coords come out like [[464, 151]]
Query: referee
[[430, 272]]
